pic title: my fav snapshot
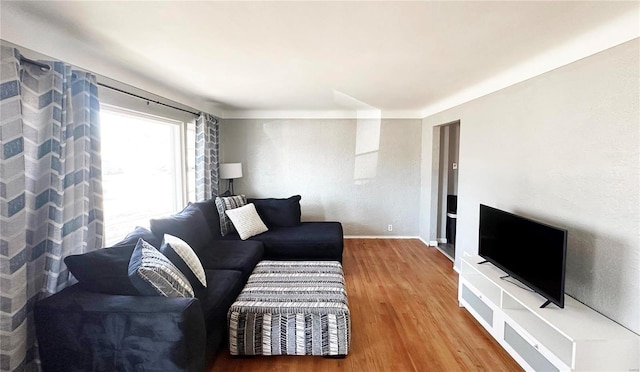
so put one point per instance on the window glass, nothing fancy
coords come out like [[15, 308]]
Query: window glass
[[142, 170]]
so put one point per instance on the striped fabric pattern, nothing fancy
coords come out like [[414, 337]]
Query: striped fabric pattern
[[224, 204], [291, 308], [207, 156], [153, 274]]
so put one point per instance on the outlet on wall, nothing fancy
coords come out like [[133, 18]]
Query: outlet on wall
[[389, 227]]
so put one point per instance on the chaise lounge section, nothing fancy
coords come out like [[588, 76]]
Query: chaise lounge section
[[288, 238]]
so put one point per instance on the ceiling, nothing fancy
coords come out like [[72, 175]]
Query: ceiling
[[267, 59]]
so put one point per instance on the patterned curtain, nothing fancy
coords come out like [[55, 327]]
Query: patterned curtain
[[50, 191], [207, 161]]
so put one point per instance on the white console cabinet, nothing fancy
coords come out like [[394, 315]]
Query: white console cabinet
[[576, 338]]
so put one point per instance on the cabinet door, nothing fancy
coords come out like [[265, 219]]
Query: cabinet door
[[526, 351], [476, 304]]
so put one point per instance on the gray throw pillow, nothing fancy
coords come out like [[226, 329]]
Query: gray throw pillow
[[225, 203], [154, 275]]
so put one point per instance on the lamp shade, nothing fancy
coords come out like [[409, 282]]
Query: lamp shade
[[229, 171]]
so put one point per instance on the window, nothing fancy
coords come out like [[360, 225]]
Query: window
[[144, 169]]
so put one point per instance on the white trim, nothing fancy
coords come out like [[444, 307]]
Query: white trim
[[620, 30], [424, 242], [184, 164], [119, 110], [380, 237], [329, 114]]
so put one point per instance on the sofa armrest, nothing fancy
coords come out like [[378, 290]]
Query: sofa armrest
[[79, 330]]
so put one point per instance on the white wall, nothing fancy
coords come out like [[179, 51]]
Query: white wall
[[365, 174], [562, 148]]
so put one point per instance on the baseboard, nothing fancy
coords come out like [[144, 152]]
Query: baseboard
[[380, 237], [432, 243], [429, 243]]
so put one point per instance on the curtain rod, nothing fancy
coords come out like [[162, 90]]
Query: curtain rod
[[147, 99], [46, 67], [43, 66]]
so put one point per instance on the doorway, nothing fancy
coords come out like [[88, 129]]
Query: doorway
[[446, 146]]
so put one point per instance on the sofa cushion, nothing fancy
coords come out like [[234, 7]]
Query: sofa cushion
[[185, 259], [222, 289], [233, 255], [225, 203], [104, 270], [137, 233], [308, 241], [278, 212], [210, 213], [222, 284], [188, 225], [154, 275], [246, 221]]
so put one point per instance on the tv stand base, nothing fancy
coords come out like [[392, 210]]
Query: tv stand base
[[545, 304], [544, 339]]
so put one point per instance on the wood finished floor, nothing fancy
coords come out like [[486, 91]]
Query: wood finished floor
[[404, 317]]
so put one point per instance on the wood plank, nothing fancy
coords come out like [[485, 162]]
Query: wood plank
[[404, 317]]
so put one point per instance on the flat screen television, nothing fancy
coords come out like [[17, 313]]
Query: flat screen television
[[532, 252]]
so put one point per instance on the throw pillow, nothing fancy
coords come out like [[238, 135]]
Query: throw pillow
[[188, 225], [185, 259], [225, 203], [104, 270], [153, 274], [278, 212], [246, 221]]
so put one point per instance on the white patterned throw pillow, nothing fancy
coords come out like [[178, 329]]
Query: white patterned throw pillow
[[154, 275], [224, 204], [247, 221], [183, 256]]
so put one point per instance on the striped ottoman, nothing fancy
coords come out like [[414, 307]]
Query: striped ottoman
[[291, 308]]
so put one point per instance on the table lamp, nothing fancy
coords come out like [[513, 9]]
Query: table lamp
[[230, 171]]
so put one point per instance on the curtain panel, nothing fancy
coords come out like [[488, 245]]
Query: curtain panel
[[50, 190], [207, 160]]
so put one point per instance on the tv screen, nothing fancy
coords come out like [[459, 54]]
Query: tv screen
[[531, 252]]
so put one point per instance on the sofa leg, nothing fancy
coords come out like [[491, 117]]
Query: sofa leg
[[334, 356]]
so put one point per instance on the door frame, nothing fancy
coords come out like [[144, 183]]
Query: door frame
[[439, 159]]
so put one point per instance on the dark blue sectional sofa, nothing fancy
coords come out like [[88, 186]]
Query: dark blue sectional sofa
[[103, 324]]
